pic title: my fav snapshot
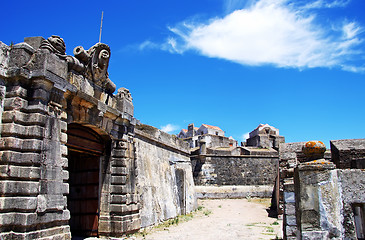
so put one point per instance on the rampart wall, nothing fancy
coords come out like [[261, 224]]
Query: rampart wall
[[164, 182]]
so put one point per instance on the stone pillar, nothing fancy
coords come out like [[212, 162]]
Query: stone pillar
[[317, 196], [120, 213], [32, 152]]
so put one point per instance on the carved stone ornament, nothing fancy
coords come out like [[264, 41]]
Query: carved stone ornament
[[93, 64], [56, 45], [124, 93]]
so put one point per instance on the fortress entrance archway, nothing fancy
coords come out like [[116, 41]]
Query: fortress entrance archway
[[85, 152]]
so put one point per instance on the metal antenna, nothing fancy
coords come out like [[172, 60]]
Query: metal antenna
[[101, 25]]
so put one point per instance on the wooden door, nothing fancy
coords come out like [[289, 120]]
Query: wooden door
[[84, 150]]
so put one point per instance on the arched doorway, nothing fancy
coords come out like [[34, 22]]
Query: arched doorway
[[85, 149]]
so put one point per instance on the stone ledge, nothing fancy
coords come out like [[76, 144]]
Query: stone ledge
[[61, 232], [24, 118]]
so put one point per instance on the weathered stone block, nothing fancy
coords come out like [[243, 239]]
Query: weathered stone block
[[119, 180], [53, 187], [17, 219], [49, 66], [19, 187], [118, 199], [34, 42], [54, 233], [289, 197], [290, 230], [119, 162], [18, 203], [15, 103], [315, 235], [50, 202], [50, 217], [20, 158], [52, 172], [12, 143], [12, 129], [119, 153], [63, 138], [289, 209], [24, 118], [119, 170], [118, 189], [290, 220], [20, 55], [19, 172], [64, 150], [16, 91], [344, 151]]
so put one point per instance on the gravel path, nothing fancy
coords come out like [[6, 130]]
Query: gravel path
[[220, 220]]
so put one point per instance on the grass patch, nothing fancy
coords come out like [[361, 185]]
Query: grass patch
[[254, 224], [200, 208], [207, 212]]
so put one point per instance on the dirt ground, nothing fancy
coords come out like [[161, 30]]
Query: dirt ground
[[219, 220]]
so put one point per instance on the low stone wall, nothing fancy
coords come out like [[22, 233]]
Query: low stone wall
[[236, 170], [215, 192], [164, 182]]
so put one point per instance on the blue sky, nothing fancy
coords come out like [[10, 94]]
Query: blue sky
[[296, 65]]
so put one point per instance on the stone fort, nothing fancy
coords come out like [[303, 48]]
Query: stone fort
[[75, 162]]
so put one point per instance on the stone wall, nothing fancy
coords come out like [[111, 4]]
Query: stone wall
[[164, 181], [326, 199], [237, 170], [348, 153]]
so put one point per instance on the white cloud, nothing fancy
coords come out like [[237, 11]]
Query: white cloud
[[327, 4], [351, 30], [245, 136], [271, 32], [169, 128], [147, 45]]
